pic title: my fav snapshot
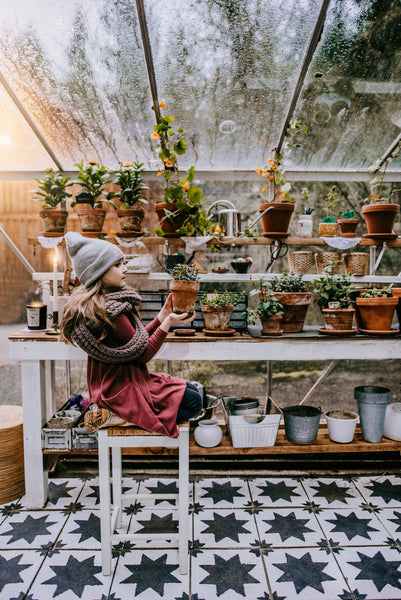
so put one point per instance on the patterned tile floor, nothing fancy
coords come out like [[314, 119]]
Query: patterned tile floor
[[256, 538]]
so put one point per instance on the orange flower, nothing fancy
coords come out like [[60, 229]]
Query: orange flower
[[271, 177], [374, 197], [112, 233], [263, 190], [159, 173], [257, 170], [282, 195], [49, 170], [92, 162], [127, 164], [274, 166], [217, 229], [154, 135], [168, 163], [185, 187], [264, 173], [162, 105]]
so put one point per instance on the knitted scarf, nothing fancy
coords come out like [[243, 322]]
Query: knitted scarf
[[117, 303]]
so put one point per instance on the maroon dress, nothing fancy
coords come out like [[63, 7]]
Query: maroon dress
[[148, 400]]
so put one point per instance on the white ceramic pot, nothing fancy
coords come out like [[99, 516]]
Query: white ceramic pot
[[341, 424], [392, 422], [208, 434]]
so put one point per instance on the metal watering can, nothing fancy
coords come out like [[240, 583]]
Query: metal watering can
[[229, 219]]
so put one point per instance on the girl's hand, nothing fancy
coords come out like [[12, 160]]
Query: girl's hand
[[173, 319], [167, 309]]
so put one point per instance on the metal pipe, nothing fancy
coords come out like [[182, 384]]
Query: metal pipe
[[322, 375], [17, 252], [148, 57]]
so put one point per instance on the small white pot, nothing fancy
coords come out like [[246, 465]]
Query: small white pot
[[341, 428], [392, 422], [208, 434]]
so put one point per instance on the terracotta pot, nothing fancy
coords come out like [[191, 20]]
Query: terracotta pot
[[271, 324], [338, 318], [375, 313], [380, 218], [184, 295], [131, 218], [169, 229], [356, 263], [328, 229], [91, 219], [217, 317], [348, 227], [53, 221], [278, 219], [397, 294], [295, 306]]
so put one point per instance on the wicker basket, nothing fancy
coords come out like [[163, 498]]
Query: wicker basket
[[300, 262], [356, 263], [324, 259], [12, 484]]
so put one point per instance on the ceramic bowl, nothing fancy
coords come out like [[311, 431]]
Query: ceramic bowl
[[241, 266]]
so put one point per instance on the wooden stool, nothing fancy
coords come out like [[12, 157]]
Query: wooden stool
[[110, 515]]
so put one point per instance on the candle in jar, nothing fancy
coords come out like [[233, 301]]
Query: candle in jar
[[55, 308]]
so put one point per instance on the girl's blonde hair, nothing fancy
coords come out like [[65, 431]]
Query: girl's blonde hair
[[88, 305]]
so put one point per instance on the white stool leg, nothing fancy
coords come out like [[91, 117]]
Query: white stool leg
[[117, 482], [183, 499], [105, 503]]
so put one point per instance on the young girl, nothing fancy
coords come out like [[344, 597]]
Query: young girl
[[101, 317]]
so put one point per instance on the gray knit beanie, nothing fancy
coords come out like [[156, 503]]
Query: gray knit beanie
[[90, 258]]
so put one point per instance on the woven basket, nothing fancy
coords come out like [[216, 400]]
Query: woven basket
[[356, 263], [12, 484], [324, 259], [300, 262]]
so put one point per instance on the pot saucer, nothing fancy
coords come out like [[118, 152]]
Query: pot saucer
[[277, 235], [348, 235], [92, 234], [52, 234], [129, 234], [185, 332], [218, 332], [173, 235], [272, 332], [337, 331], [381, 236], [221, 271], [379, 331]]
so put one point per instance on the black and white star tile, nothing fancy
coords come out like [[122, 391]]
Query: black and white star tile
[[332, 493], [26, 530], [63, 492], [161, 486], [383, 491], [222, 493], [288, 527], [278, 492], [225, 528], [156, 521], [352, 526], [17, 571]]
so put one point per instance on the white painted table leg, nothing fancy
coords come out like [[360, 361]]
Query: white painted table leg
[[33, 381]]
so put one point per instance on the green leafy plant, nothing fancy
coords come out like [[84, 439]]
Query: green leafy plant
[[221, 299], [184, 273], [52, 189], [92, 178], [183, 196], [130, 179], [376, 293], [277, 187], [331, 203], [267, 306], [288, 282], [334, 288]]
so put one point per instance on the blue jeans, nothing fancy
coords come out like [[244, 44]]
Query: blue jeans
[[191, 404]]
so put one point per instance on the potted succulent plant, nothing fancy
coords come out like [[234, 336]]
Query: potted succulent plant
[[129, 178], [217, 309], [181, 213], [375, 310], [184, 287], [348, 224], [291, 291], [269, 311], [93, 178], [329, 226], [53, 192], [335, 297], [278, 207]]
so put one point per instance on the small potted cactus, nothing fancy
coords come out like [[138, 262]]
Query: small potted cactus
[[184, 287]]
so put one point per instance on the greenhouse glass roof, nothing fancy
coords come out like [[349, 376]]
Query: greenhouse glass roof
[[78, 80]]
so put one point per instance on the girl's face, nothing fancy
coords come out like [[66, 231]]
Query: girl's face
[[115, 276]]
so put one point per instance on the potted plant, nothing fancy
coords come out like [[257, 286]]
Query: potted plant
[[129, 178], [335, 297], [290, 290], [348, 224], [217, 309], [329, 226], [375, 310], [184, 287], [269, 311], [278, 207], [181, 213], [92, 178], [52, 192]]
